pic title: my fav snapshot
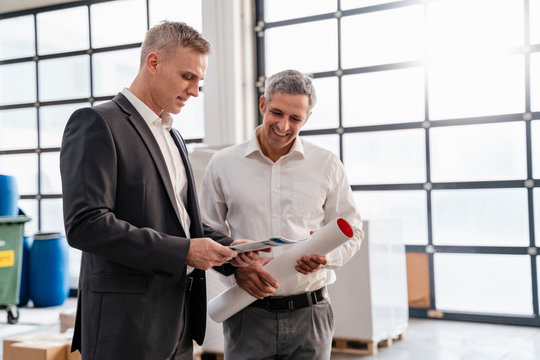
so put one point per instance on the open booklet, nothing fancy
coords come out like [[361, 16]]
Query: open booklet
[[265, 244]]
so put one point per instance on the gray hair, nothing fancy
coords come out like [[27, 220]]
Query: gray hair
[[167, 35], [290, 82]]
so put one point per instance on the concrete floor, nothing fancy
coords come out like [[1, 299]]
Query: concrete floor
[[424, 339]]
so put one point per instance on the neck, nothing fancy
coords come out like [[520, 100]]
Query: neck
[[140, 89], [266, 150]]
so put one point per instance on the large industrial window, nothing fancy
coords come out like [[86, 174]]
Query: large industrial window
[[56, 59], [434, 109]]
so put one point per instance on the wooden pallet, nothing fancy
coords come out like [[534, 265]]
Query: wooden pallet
[[361, 347]]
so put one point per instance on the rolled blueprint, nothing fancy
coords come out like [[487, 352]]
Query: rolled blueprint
[[282, 268]]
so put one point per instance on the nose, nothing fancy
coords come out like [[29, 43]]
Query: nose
[[283, 124], [194, 90]]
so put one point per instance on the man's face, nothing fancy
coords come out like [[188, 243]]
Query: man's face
[[283, 117], [176, 77]]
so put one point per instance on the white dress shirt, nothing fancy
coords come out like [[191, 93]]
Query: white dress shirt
[[160, 127], [246, 195]]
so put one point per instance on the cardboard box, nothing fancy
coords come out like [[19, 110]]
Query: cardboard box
[[47, 337], [418, 280], [76, 355], [39, 350], [67, 319]]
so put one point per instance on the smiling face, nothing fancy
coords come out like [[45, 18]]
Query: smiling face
[[175, 78], [283, 117]]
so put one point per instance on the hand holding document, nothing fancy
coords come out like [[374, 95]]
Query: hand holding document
[[282, 268], [265, 244]]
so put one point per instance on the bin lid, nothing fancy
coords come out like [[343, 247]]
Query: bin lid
[[14, 219]]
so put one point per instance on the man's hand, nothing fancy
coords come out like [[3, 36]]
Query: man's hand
[[244, 259], [205, 253], [257, 282], [308, 265]]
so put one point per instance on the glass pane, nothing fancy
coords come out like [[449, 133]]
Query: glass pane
[[18, 129], [483, 283], [408, 206], [288, 47], [30, 208], [534, 11], [17, 38], [52, 217], [471, 87], [50, 173], [328, 142], [276, 10], [18, 83], [114, 70], [324, 114], [64, 78], [352, 4], [24, 168], [535, 135], [385, 157], [383, 97], [535, 81], [485, 26], [382, 37], [63, 30], [478, 152], [108, 28], [190, 120], [536, 197], [53, 120], [483, 217], [188, 11]]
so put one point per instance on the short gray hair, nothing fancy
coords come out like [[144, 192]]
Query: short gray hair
[[167, 35], [290, 82]]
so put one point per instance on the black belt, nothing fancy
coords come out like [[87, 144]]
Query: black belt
[[290, 303]]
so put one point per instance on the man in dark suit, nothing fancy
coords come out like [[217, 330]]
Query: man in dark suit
[[131, 207]]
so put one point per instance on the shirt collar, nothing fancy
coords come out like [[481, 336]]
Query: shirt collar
[[147, 114], [254, 146]]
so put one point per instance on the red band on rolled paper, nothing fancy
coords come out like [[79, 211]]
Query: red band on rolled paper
[[345, 228]]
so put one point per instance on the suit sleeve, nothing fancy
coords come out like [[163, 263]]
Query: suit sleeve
[[88, 166]]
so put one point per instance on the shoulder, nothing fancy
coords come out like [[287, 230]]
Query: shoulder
[[314, 152], [230, 153]]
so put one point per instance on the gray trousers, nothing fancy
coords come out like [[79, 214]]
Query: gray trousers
[[184, 349], [258, 334]]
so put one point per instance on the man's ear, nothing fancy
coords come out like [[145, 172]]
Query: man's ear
[[262, 104], [152, 61]]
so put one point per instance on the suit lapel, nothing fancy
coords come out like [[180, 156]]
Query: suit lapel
[[191, 206], [151, 144]]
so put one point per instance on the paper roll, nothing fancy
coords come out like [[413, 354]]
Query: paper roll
[[282, 268]]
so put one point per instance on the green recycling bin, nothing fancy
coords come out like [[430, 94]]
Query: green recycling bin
[[11, 236]]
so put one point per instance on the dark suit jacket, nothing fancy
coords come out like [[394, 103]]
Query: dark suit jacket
[[120, 210]]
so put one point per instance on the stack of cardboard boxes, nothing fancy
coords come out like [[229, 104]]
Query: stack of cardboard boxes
[[44, 345]]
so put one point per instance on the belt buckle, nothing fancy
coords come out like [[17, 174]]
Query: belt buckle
[[189, 283], [314, 298], [290, 303]]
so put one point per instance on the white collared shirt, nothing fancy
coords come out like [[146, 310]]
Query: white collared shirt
[[246, 195], [160, 127]]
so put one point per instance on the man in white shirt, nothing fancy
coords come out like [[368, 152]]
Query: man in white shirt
[[277, 184], [130, 205]]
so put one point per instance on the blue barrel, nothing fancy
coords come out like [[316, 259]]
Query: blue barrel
[[49, 270], [24, 293], [9, 196]]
